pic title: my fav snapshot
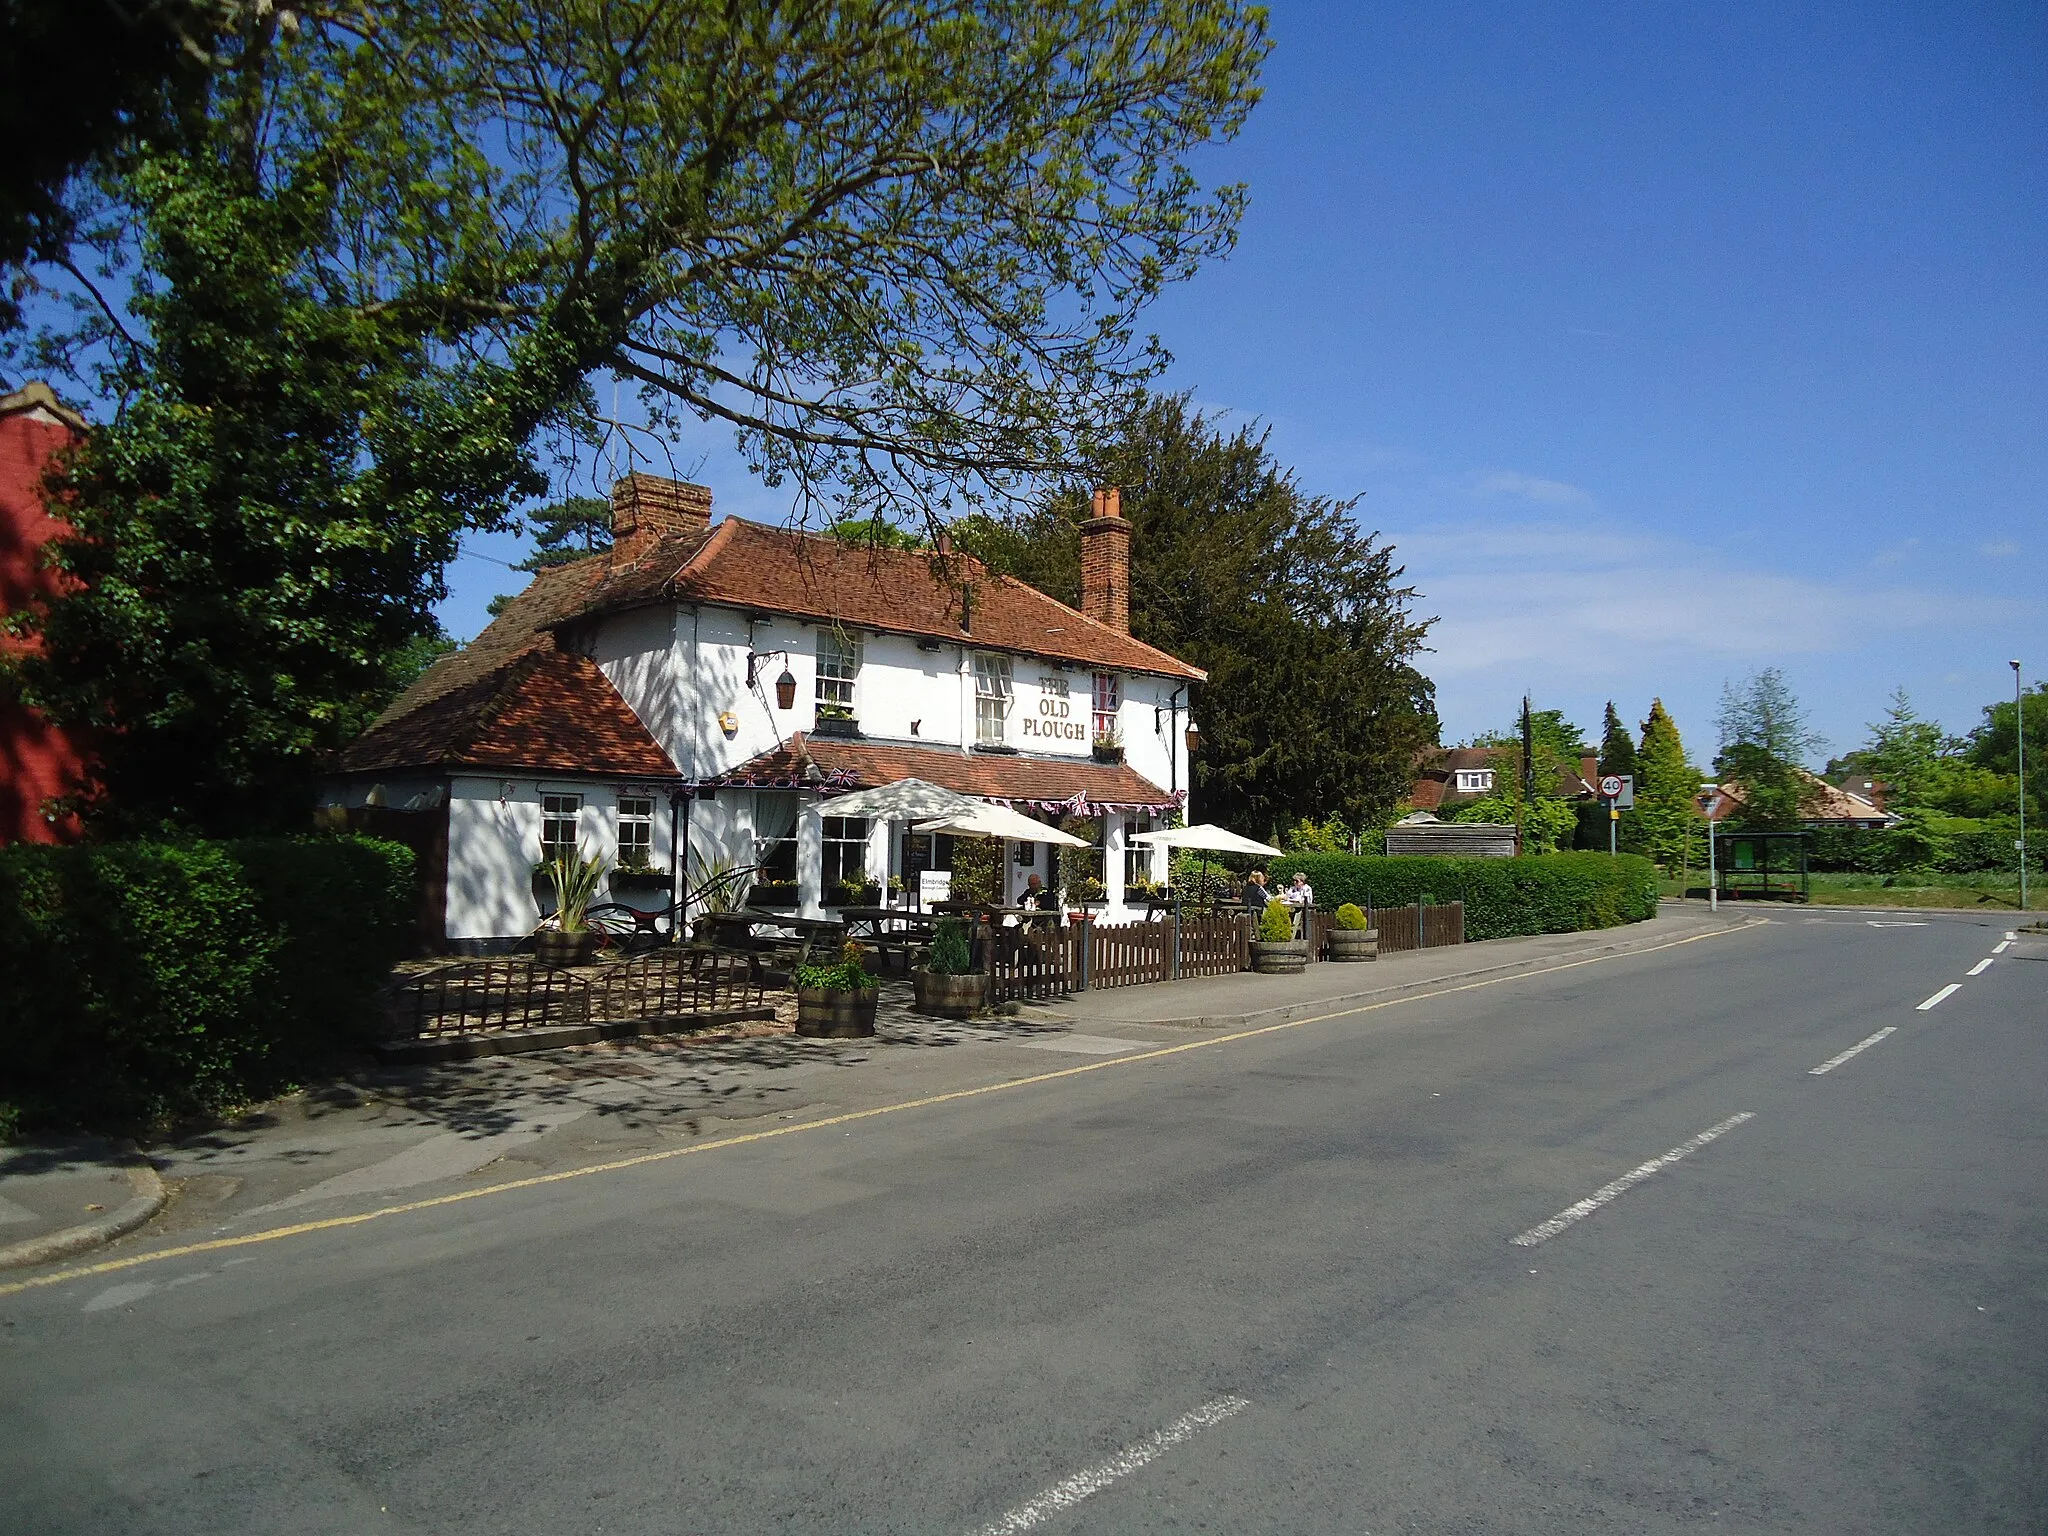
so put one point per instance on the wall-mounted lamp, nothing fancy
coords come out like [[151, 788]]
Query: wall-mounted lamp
[[1194, 740], [785, 685]]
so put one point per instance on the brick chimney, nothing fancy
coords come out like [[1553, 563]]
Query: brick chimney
[[1106, 562], [647, 509]]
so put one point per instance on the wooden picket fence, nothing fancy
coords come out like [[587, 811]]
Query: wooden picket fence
[[1043, 963]]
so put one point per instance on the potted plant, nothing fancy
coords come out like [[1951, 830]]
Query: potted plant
[[837, 1001], [565, 936], [634, 873], [1108, 747], [772, 893], [835, 720], [1086, 891], [947, 983], [1354, 938], [1276, 951]]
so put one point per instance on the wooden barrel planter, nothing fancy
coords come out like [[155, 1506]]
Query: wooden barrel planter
[[1279, 957], [950, 997], [556, 949], [1354, 943], [827, 1015]]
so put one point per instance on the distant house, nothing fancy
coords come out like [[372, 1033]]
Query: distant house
[[39, 764], [1832, 806], [702, 691], [1447, 778]]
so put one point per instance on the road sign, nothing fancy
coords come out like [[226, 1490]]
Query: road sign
[[1620, 789]]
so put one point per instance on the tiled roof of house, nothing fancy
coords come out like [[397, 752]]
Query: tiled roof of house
[[512, 699], [1042, 782], [1829, 803], [440, 719], [776, 570]]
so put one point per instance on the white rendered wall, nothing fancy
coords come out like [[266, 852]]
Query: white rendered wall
[[494, 844]]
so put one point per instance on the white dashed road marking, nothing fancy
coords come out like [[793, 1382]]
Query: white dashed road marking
[[1065, 1495], [1858, 1048], [1980, 967], [1545, 1231], [2001, 946], [1940, 997]]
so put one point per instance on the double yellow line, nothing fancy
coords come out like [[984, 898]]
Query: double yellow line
[[335, 1223]]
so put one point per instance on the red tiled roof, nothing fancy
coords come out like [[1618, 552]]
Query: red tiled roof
[[1036, 781], [512, 700], [776, 570]]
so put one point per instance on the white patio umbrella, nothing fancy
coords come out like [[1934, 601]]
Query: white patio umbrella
[[987, 820], [899, 800], [1208, 837]]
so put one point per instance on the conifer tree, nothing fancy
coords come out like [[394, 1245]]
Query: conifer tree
[[1617, 748], [1668, 820]]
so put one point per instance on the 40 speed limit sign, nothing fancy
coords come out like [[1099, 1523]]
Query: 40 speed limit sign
[[1620, 790]]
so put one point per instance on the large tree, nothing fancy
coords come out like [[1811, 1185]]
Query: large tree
[[1617, 747], [1765, 739], [342, 300], [1314, 707], [1668, 822]]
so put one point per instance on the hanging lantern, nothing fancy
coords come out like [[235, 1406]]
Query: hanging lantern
[[1194, 739], [785, 690]]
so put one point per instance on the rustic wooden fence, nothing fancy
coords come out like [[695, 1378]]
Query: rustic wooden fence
[[1214, 946], [1032, 964], [470, 996], [1419, 927]]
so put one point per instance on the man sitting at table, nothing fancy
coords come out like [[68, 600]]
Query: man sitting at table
[[1035, 893]]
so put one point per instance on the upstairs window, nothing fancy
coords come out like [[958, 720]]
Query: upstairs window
[[838, 670], [636, 831], [1108, 700], [558, 817], [1137, 856], [1475, 781], [991, 698]]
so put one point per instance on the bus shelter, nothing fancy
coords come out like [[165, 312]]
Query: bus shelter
[[1762, 866]]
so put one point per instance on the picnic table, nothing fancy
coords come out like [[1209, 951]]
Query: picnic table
[[896, 930], [735, 930]]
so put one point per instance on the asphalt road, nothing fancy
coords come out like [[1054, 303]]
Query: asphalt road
[[1264, 1284]]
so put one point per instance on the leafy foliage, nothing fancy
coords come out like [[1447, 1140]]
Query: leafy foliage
[[567, 530], [1617, 747], [847, 974], [1351, 916], [977, 869], [1764, 739], [950, 955], [262, 528], [1546, 821], [1559, 893], [1276, 923], [574, 881], [1330, 835], [1313, 706], [141, 980], [1668, 823]]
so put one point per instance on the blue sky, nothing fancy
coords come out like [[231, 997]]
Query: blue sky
[[1665, 342]]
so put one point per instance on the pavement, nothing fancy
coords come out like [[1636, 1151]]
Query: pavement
[[401, 1131], [1746, 1228]]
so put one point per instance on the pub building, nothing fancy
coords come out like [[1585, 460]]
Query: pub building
[[673, 704]]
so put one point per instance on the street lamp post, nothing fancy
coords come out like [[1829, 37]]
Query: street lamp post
[[1713, 872], [2019, 736]]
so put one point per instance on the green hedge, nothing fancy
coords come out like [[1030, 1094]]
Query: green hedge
[[1551, 893], [145, 980]]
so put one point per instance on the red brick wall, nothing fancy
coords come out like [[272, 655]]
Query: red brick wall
[[37, 762], [647, 509]]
